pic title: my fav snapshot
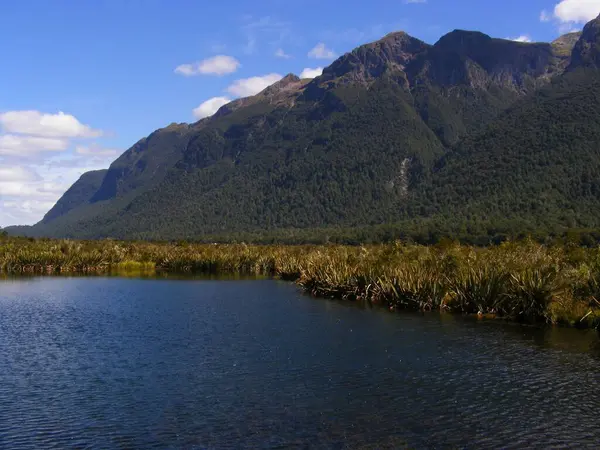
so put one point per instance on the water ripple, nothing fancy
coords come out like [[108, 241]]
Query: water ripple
[[115, 363]]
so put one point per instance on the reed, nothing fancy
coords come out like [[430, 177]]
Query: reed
[[521, 281]]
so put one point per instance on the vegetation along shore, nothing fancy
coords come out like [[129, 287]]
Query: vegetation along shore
[[520, 281]]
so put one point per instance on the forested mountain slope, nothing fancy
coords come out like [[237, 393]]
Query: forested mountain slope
[[538, 162], [466, 131]]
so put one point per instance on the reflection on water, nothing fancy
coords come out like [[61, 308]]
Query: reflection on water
[[135, 274], [109, 362], [557, 337], [584, 341]]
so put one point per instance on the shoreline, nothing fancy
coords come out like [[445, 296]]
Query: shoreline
[[521, 282]]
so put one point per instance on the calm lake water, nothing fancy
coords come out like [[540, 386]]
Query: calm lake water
[[133, 363]]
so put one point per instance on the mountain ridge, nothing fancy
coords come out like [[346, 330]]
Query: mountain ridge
[[361, 145]]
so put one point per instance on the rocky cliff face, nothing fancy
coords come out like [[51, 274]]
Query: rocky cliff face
[[587, 49], [478, 61], [392, 53], [461, 57]]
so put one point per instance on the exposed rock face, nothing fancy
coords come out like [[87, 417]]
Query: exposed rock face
[[400, 183], [394, 52], [283, 92], [289, 83], [476, 60], [465, 58], [587, 50]]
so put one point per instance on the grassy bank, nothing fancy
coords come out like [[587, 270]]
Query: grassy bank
[[521, 281]]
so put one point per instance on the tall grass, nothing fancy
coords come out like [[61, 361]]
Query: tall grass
[[521, 281]]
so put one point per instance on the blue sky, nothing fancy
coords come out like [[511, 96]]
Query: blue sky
[[81, 81]]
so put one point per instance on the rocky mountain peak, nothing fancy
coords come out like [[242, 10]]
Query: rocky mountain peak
[[369, 61], [287, 83], [279, 91], [475, 59]]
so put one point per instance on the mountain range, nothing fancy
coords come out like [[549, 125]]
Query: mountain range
[[470, 137]]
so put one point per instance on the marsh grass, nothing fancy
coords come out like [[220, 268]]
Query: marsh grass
[[521, 281]]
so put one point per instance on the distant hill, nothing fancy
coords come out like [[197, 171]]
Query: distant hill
[[469, 135]]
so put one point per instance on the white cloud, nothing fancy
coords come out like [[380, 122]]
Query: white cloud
[[96, 150], [16, 174], [28, 191], [39, 163], [25, 189], [577, 11], [209, 107], [25, 146], [279, 53], [20, 181], [311, 73], [522, 38], [251, 86], [23, 211], [35, 123], [217, 65], [320, 51], [30, 206], [568, 14], [20, 212]]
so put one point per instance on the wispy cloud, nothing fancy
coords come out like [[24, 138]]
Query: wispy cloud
[[320, 51], [259, 30], [217, 65], [545, 16], [279, 53], [522, 38]]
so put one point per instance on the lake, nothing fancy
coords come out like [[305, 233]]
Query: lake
[[107, 362]]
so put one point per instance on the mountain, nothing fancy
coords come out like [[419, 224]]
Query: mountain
[[80, 193], [586, 52], [456, 135], [538, 162]]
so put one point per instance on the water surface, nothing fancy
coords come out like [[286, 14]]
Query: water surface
[[130, 363]]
